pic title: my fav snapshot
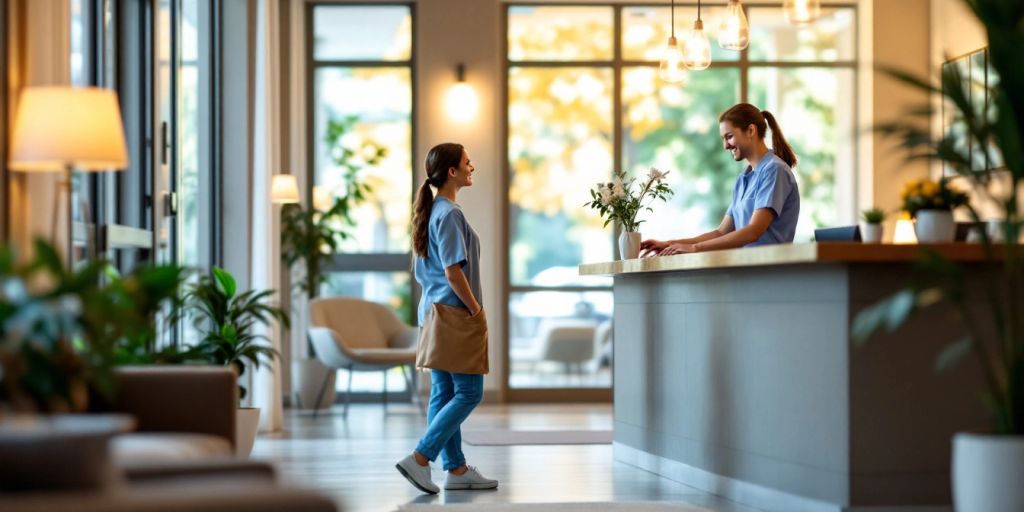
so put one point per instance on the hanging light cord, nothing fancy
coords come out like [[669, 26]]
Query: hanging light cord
[[673, 16], [698, 10]]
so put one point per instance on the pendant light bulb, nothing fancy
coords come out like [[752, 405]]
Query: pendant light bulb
[[801, 12], [734, 32], [671, 69], [697, 50]]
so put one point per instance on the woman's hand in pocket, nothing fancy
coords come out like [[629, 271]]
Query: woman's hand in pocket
[[474, 312]]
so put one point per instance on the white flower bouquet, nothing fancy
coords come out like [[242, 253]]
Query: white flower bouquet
[[619, 201]]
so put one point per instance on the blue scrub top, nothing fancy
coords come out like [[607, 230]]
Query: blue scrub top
[[450, 241], [771, 185]]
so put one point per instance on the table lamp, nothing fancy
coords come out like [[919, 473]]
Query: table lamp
[[63, 128], [284, 189]]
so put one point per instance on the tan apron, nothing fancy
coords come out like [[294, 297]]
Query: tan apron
[[453, 341]]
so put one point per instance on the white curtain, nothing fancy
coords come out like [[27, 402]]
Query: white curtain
[[265, 218]]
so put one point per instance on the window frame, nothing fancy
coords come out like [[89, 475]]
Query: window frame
[[5, 213], [618, 65], [362, 261]]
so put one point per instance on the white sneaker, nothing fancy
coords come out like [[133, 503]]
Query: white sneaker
[[417, 475], [471, 479]]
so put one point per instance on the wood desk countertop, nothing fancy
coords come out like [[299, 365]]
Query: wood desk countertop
[[789, 254]]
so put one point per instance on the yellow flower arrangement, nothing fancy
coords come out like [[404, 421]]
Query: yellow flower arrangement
[[926, 194]]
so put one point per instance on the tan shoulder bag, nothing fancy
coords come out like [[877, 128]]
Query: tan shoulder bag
[[453, 341]]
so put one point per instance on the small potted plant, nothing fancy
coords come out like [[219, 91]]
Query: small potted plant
[[618, 201], [227, 321], [931, 204], [871, 225]]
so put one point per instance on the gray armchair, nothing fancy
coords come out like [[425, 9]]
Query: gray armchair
[[361, 336]]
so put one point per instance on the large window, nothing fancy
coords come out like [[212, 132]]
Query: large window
[[362, 131], [585, 98]]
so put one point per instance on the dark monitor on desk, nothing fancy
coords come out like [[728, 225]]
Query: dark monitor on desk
[[837, 234]]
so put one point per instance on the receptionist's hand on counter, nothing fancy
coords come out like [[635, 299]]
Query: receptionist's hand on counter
[[652, 247], [678, 249]]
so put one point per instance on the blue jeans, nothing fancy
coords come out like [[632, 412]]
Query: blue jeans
[[452, 397]]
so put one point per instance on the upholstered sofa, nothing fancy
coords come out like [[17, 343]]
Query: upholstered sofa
[[182, 413], [168, 447]]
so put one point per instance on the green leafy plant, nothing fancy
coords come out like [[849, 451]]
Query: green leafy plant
[[998, 128], [873, 215], [311, 235], [62, 330], [617, 201], [227, 320]]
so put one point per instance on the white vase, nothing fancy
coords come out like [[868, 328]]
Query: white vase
[[988, 471], [934, 226], [247, 423], [871, 233], [629, 245]]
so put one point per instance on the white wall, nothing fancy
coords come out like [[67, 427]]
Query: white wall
[[468, 31], [898, 35]]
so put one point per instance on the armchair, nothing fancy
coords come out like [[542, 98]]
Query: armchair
[[358, 335]]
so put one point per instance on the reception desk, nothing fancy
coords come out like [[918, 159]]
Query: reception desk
[[735, 374]]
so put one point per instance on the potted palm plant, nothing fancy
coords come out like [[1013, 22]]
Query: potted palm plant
[[228, 320], [871, 225], [988, 467]]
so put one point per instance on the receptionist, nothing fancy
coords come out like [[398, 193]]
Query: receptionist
[[765, 200]]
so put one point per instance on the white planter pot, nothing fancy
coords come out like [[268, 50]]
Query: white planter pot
[[934, 226], [629, 245], [307, 377], [988, 473], [247, 423], [871, 233]]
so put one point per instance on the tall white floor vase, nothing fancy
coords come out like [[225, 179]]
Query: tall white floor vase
[[629, 245], [988, 473], [247, 423]]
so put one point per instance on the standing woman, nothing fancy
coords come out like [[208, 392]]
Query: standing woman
[[453, 339], [765, 203]]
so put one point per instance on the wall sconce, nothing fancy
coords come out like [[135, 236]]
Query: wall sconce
[[284, 189], [461, 102]]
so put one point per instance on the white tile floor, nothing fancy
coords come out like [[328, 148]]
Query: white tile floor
[[353, 460]]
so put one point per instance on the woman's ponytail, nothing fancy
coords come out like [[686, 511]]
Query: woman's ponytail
[[420, 218], [439, 159], [782, 148]]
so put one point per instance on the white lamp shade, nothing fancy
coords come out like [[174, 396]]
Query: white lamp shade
[[284, 189], [60, 126]]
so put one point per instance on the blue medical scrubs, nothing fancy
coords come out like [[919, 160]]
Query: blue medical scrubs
[[771, 185], [450, 240]]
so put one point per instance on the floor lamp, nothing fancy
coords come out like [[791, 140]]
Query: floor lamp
[[62, 129]]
